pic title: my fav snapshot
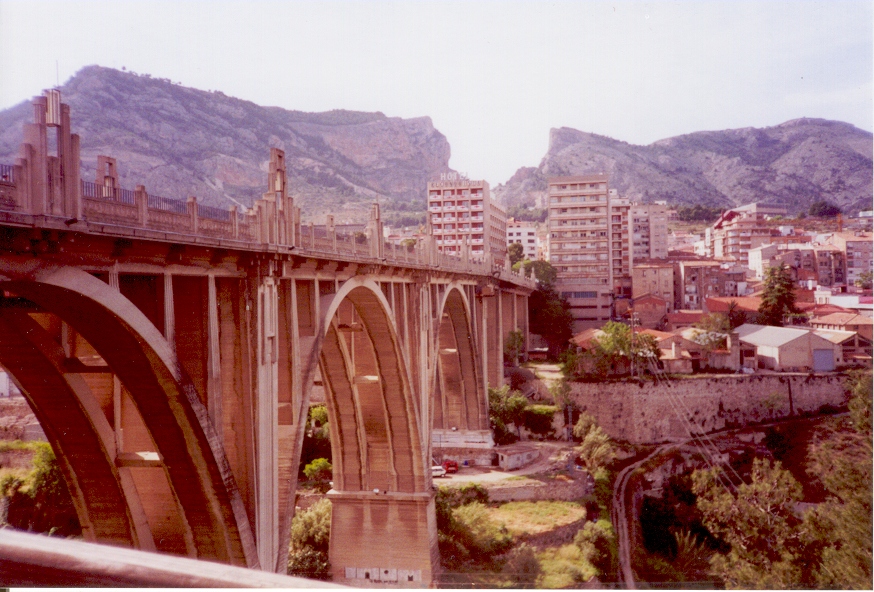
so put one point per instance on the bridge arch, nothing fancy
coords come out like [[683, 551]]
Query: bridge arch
[[382, 505], [210, 518], [459, 405]]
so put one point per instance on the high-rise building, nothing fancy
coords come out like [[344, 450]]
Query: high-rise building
[[462, 212], [589, 246], [524, 233], [649, 231]]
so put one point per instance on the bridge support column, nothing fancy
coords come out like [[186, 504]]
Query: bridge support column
[[384, 539]]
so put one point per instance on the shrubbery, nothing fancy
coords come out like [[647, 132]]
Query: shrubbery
[[310, 540]]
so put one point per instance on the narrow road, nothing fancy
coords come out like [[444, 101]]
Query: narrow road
[[620, 516]]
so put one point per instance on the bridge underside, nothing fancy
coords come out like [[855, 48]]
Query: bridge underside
[[170, 350]]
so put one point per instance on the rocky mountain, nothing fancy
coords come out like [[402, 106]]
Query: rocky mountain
[[795, 163], [180, 141]]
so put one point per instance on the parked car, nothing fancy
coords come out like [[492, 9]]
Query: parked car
[[451, 466], [438, 471]]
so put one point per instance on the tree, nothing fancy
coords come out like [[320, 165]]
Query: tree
[[597, 542], [543, 271], [865, 280], [516, 252], [778, 299], [596, 448], [618, 342], [549, 316], [769, 544], [823, 209], [506, 407], [842, 462], [513, 347]]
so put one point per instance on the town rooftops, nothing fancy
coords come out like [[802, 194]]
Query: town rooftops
[[685, 316], [769, 336], [723, 303], [843, 319]]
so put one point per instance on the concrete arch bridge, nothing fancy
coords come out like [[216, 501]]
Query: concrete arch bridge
[[171, 351]]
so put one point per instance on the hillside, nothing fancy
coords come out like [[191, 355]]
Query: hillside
[[795, 164], [180, 141]]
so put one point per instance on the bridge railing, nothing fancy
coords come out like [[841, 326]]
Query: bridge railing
[[138, 208]]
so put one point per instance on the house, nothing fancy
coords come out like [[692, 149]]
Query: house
[[651, 310], [851, 349], [785, 349], [846, 321], [516, 456]]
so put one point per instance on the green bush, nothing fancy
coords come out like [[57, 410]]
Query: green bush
[[38, 500], [597, 541], [310, 540], [319, 470], [538, 419]]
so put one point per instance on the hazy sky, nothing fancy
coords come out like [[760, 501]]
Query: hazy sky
[[493, 76]]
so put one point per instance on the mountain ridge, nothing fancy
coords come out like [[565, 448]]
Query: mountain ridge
[[180, 141], [794, 163]]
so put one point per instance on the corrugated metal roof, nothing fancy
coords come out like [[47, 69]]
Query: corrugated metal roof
[[769, 336]]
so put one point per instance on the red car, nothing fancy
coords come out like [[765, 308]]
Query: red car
[[451, 466]]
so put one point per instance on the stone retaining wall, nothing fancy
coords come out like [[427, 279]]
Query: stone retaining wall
[[643, 413]]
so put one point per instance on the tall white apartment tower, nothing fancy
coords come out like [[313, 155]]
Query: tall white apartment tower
[[462, 212], [589, 246]]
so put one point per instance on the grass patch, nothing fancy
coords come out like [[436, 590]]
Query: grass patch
[[536, 517]]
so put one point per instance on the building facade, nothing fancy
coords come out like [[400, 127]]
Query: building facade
[[656, 278], [735, 233], [463, 217], [579, 246], [524, 233], [649, 231], [857, 249]]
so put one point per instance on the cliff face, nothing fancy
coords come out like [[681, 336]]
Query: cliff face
[[180, 141], [795, 164]]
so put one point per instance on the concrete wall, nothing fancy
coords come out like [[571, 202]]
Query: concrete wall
[[646, 413]]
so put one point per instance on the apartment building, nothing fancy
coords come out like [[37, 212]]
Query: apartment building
[[857, 249], [656, 278], [524, 233], [589, 246], [735, 233], [649, 231], [621, 255], [463, 217], [822, 265]]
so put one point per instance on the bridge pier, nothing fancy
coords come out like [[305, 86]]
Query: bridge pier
[[383, 539], [171, 350]]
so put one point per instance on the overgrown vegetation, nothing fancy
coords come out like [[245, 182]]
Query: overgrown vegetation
[[310, 540], [773, 544], [36, 500], [316, 441], [509, 408], [615, 352]]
